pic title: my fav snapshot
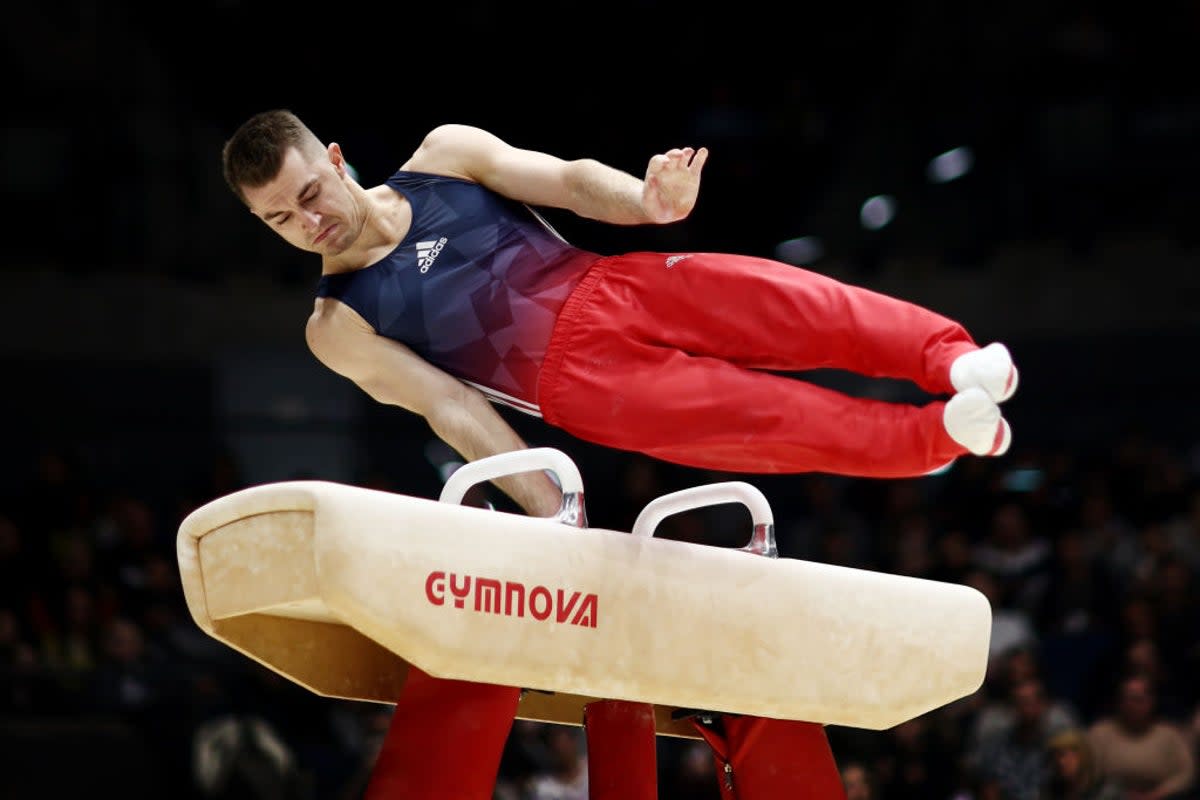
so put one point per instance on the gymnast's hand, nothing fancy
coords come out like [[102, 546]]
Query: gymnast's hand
[[672, 183]]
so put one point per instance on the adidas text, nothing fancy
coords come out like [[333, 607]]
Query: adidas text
[[428, 251]]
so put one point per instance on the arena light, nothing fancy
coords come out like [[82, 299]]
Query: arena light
[[950, 165], [801, 250], [877, 212]]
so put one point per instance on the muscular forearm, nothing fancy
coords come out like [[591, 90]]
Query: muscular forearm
[[604, 193], [475, 430]]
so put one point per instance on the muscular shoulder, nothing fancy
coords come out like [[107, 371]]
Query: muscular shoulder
[[456, 150], [332, 329]]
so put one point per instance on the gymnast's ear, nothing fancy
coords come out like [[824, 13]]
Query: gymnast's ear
[[336, 158]]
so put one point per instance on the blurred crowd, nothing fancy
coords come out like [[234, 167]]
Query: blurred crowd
[[1090, 560]]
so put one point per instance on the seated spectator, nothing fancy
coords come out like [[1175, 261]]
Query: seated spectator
[[996, 712], [858, 782], [1191, 732], [1110, 533], [916, 762], [1081, 596], [1144, 658], [17, 566], [1073, 771], [1016, 555], [565, 777], [953, 558], [1183, 529], [1146, 755], [69, 648], [1012, 627], [24, 688], [1176, 604], [1010, 763]]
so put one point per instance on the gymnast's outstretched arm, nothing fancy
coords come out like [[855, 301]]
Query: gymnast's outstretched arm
[[584, 186], [458, 413]]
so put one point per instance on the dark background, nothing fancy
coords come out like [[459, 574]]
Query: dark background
[[152, 331]]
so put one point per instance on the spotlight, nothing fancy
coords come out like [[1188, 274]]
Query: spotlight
[[800, 251], [950, 165], [877, 212]]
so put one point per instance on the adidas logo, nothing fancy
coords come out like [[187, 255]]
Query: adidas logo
[[428, 251], [673, 260]]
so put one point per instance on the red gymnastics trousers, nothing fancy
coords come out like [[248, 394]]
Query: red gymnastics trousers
[[675, 356]]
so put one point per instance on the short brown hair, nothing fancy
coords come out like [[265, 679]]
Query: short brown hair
[[253, 156]]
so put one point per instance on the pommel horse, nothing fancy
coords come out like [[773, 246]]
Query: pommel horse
[[465, 618]]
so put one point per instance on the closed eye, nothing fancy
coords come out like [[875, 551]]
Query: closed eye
[[310, 193], [305, 199]]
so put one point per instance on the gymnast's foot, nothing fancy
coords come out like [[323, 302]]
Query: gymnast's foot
[[973, 420], [990, 368]]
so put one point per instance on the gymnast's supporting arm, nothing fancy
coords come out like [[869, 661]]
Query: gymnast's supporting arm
[[457, 413], [471, 425]]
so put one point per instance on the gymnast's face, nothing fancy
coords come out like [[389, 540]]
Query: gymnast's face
[[309, 202]]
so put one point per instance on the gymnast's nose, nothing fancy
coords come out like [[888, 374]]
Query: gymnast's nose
[[311, 220]]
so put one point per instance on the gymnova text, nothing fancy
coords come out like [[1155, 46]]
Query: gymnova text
[[511, 598]]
